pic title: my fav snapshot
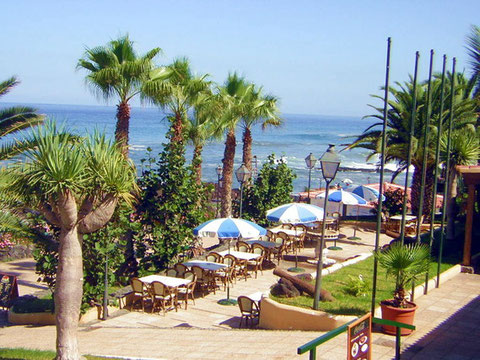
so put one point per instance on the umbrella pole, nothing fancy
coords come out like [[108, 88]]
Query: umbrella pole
[[228, 301], [296, 268]]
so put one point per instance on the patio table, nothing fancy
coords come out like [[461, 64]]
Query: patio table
[[265, 244], [206, 265], [289, 232], [166, 280], [240, 254]]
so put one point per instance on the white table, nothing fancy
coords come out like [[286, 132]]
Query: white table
[[240, 254], [206, 265], [289, 232], [256, 296], [166, 280]]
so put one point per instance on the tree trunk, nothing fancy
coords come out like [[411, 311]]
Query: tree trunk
[[450, 199], [178, 128], [247, 148], [197, 163], [228, 163], [68, 294], [123, 123], [416, 188]]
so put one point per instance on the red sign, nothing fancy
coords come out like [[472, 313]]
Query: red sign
[[359, 339]]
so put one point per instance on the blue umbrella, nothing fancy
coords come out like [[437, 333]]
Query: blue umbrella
[[366, 192], [227, 228], [295, 213]]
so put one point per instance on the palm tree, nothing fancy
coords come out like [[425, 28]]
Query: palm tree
[[261, 109], [13, 119], [473, 50], [176, 89], [235, 94], [398, 128], [115, 70], [76, 186], [203, 126]]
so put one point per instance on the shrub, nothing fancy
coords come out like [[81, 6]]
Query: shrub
[[31, 304]]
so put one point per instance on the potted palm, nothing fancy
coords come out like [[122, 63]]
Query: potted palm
[[405, 263]]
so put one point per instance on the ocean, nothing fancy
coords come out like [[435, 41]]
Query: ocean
[[294, 140]]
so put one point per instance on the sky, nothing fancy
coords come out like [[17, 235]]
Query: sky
[[317, 57]]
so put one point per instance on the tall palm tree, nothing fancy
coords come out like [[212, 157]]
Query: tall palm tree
[[473, 50], [398, 128], [115, 70], [235, 93], [76, 186], [261, 109], [13, 119], [203, 126], [176, 89]]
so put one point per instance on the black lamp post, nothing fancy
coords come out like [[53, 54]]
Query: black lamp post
[[310, 160], [242, 174], [219, 171], [330, 162]]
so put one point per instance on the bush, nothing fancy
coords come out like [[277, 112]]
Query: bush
[[31, 304], [393, 203]]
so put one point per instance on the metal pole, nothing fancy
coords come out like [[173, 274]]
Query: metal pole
[[309, 178], [382, 167], [218, 195], [318, 280], [437, 160], [241, 198], [447, 172], [409, 151], [424, 161], [105, 290]]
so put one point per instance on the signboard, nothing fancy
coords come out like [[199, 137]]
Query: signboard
[[8, 289], [359, 339]]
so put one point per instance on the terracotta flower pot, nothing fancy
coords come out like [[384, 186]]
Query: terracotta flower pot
[[397, 314]]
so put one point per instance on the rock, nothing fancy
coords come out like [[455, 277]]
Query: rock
[[305, 277], [284, 288]]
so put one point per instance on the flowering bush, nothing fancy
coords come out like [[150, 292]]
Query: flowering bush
[[6, 242]]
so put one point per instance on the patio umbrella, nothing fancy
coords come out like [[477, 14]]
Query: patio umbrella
[[295, 213], [345, 198], [365, 192], [228, 228]]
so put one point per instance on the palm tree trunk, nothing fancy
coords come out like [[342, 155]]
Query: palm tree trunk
[[228, 162], [247, 148], [415, 194], [123, 123], [178, 128], [197, 163], [68, 294], [450, 198]]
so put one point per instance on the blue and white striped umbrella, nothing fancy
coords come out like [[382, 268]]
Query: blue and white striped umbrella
[[344, 197], [229, 228], [295, 213], [366, 192]]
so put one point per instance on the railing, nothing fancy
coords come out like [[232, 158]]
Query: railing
[[312, 345]]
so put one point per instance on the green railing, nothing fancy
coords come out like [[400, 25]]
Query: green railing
[[312, 345]]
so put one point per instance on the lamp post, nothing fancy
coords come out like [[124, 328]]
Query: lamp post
[[310, 160], [242, 174], [219, 171], [330, 162]]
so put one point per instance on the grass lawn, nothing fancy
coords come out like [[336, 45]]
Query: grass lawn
[[27, 354], [347, 304]]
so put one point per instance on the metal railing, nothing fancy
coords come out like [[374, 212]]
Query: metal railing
[[312, 345]]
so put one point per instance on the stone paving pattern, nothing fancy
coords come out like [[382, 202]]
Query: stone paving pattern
[[448, 323]]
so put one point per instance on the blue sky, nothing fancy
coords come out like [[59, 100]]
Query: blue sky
[[318, 57]]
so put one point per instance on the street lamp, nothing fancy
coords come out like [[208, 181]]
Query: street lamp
[[242, 174], [330, 162], [219, 171], [310, 160]]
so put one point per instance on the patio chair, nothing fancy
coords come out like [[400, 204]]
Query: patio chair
[[205, 279], [287, 240], [226, 276], [214, 257], [163, 295], [242, 246], [188, 290], [240, 266], [281, 249], [302, 233], [257, 264], [248, 309], [171, 272], [231, 261], [181, 269], [140, 293]]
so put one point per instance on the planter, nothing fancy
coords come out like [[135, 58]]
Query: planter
[[397, 314]]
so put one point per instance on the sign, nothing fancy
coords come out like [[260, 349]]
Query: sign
[[8, 289], [359, 339]]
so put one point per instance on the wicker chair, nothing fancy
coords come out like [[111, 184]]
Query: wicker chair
[[226, 276], [248, 309], [231, 261], [139, 293], [188, 290], [257, 264], [214, 257], [240, 266], [181, 269], [242, 246], [281, 249], [171, 272], [163, 295], [204, 279]]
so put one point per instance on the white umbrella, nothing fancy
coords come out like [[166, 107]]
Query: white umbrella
[[295, 213], [365, 192]]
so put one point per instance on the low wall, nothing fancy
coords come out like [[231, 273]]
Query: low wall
[[276, 316]]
